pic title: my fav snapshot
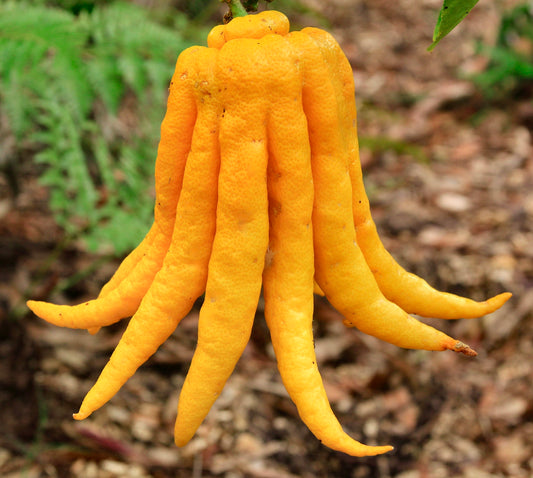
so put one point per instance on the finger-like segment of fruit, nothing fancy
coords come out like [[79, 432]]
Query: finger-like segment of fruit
[[288, 276], [127, 266], [410, 292], [123, 296], [119, 303], [176, 134], [251, 75], [256, 26], [129, 262], [183, 275], [341, 270]]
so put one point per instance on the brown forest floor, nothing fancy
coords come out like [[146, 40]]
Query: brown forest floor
[[458, 212]]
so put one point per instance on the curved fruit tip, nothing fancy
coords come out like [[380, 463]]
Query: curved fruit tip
[[376, 450], [353, 447], [32, 305], [80, 415], [497, 301], [93, 330], [463, 349], [179, 441], [41, 308]]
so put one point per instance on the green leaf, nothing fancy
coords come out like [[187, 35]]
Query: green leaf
[[450, 15]]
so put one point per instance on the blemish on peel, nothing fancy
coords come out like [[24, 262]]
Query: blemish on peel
[[269, 257], [275, 208]]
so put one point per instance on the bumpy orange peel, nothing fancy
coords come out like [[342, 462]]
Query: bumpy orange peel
[[259, 184]]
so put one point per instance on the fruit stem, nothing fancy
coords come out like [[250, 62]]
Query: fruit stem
[[236, 8]]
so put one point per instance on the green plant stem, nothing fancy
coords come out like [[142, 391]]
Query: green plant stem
[[236, 8], [251, 5]]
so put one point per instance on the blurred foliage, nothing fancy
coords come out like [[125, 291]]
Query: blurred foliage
[[511, 58], [380, 144], [83, 88]]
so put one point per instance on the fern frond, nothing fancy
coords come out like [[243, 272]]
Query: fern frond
[[40, 50], [55, 68], [126, 45]]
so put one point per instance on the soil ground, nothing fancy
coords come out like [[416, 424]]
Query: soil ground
[[450, 178]]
